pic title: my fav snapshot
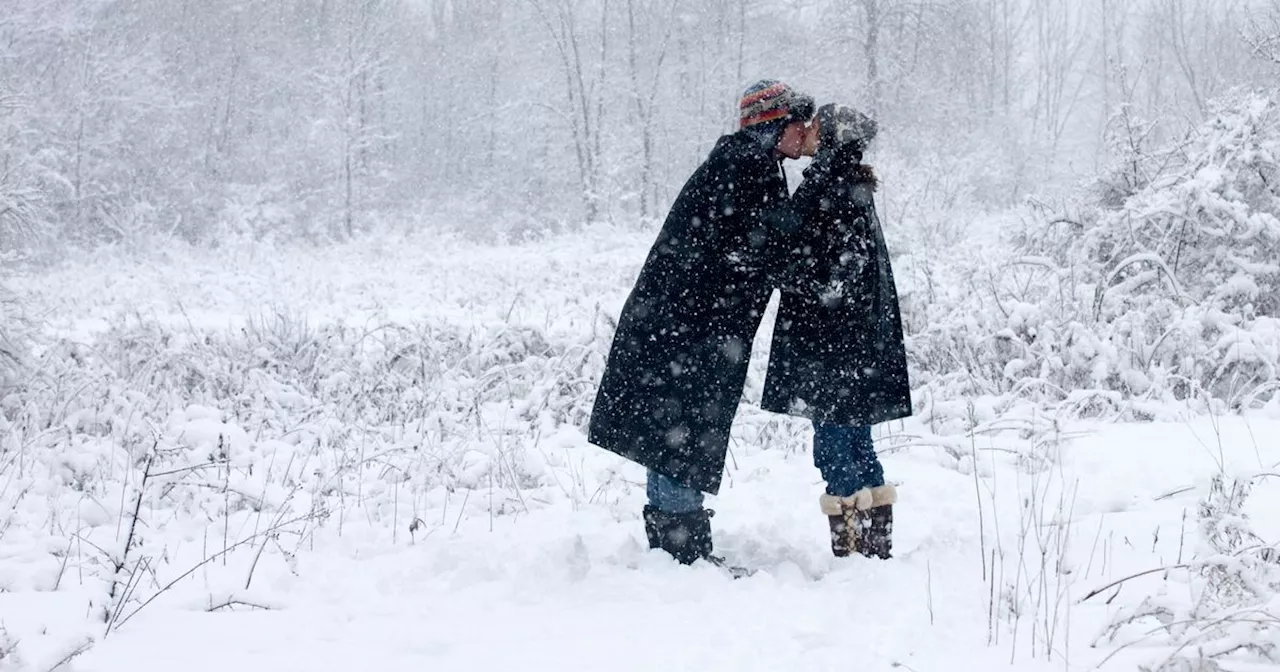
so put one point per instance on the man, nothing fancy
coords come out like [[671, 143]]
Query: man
[[679, 357]]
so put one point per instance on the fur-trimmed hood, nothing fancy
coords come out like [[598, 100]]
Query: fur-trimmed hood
[[843, 125], [863, 174]]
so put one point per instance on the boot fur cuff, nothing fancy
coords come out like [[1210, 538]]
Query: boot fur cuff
[[884, 496], [866, 498]]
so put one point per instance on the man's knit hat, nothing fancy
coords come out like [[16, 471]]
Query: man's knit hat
[[770, 100]]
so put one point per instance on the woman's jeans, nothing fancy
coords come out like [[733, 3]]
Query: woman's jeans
[[845, 456]]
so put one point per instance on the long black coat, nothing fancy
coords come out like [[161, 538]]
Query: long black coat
[[837, 354], [679, 357]]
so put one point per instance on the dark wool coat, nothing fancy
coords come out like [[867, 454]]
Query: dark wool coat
[[679, 357], [837, 354]]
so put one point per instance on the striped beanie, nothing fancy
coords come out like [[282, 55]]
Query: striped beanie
[[770, 100]]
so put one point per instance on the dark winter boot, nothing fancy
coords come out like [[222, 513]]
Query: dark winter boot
[[862, 522], [686, 536], [877, 531]]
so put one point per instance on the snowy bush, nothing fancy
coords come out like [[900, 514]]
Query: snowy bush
[[14, 335], [1229, 607], [162, 450], [10, 660], [1166, 288], [1206, 232]]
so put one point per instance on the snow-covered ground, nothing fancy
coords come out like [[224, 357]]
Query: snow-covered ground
[[370, 457]]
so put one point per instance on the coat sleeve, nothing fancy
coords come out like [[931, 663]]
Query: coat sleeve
[[790, 218], [751, 216], [797, 251]]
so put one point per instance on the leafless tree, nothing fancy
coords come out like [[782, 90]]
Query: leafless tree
[[1262, 34], [645, 89], [122, 120], [584, 83]]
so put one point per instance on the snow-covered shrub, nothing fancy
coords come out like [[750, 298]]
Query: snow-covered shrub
[[1186, 271], [1206, 232], [254, 213], [1139, 154], [1228, 609], [269, 435], [10, 659], [14, 345], [1165, 287]]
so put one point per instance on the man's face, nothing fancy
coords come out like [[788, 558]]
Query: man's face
[[810, 145], [792, 141]]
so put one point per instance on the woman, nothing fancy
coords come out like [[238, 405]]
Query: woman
[[838, 356]]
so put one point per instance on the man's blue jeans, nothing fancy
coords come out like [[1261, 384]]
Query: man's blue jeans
[[845, 456], [668, 495]]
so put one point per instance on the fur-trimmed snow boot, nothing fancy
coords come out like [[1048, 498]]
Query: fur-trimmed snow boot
[[862, 522]]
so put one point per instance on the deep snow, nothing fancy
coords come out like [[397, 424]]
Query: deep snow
[[553, 572]]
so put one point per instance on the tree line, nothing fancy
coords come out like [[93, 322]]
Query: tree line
[[317, 119]]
